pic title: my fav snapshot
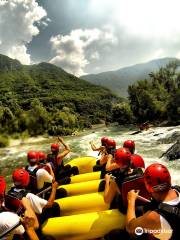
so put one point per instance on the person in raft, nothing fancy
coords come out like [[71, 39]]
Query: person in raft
[[161, 216], [9, 219], [101, 163], [122, 179], [55, 158], [43, 208], [42, 162], [137, 160], [39, 174]]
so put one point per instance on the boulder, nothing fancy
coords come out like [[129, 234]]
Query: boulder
[[173, 153]]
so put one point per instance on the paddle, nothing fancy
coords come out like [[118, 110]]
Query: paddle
[[143, 199]]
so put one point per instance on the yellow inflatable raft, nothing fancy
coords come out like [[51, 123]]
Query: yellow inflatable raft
[[84, 226], [84, 187], [84, 214]]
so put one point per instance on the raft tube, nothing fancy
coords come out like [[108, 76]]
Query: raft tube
[[84, 164], [83, 187], [84, 226], [85, 203], [85, 177]]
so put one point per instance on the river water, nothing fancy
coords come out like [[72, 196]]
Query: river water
[[148, 145]]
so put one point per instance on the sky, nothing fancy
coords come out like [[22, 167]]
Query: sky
[[89, 36]]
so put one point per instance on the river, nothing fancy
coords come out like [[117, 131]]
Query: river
[[148, 145]]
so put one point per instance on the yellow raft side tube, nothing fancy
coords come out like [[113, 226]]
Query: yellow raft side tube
[[85, 177], [84, 164], [84, 187], [84, 226], [82, 204]]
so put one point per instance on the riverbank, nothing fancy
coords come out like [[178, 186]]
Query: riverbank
[[20, 141]]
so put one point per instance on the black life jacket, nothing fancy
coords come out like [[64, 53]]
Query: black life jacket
[[13, 199], [111, 151], [170, 212], [3, 209], [52, 159], [33, 179]]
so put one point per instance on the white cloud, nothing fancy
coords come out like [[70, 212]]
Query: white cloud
[[145, 29], [74, 51], [18, 25]]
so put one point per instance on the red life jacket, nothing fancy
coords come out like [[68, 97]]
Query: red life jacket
[[44, 166], [134, 181]]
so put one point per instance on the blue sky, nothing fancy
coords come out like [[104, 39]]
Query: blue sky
[[89, 36]]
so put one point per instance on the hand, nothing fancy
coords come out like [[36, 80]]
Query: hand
[[54, 185], [132, 195], [107, 178], [28, 222]]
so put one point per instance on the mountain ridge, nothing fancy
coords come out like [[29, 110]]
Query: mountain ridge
[[119, 80]]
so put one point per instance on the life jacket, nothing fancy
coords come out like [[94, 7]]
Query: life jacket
[[128, 181], [170, 212], [33, 179], [3, 209], [13, 199], [111, 151], [44, 166], [52, 159]]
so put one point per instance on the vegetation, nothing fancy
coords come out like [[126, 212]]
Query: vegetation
[[43, 98], [157, 99]]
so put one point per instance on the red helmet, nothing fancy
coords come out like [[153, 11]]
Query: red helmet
[[104, 141], [54, 147], [129, 144], [20, 177], [111, 143], [41, 156], [32, 156], [2, 185], [137, 161], [123, 157], [157, 178]]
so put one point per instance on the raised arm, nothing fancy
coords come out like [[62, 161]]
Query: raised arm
[[64, 153], [110, 164]]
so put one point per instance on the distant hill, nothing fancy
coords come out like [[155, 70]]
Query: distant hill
[[45, 81], [57, 91], [119, 80]]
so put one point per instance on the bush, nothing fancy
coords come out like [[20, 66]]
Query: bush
[[4, 141]]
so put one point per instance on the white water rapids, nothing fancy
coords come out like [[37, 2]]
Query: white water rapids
[[148, 145]]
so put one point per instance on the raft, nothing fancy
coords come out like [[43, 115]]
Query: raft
[[89, 186], [84, 214]]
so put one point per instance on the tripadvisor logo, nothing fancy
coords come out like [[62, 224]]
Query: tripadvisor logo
[[139, 231]]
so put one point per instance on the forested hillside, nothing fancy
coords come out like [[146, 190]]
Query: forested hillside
[[44, 98], [156, 99]]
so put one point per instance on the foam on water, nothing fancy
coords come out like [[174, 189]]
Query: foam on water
[[147, 145]]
